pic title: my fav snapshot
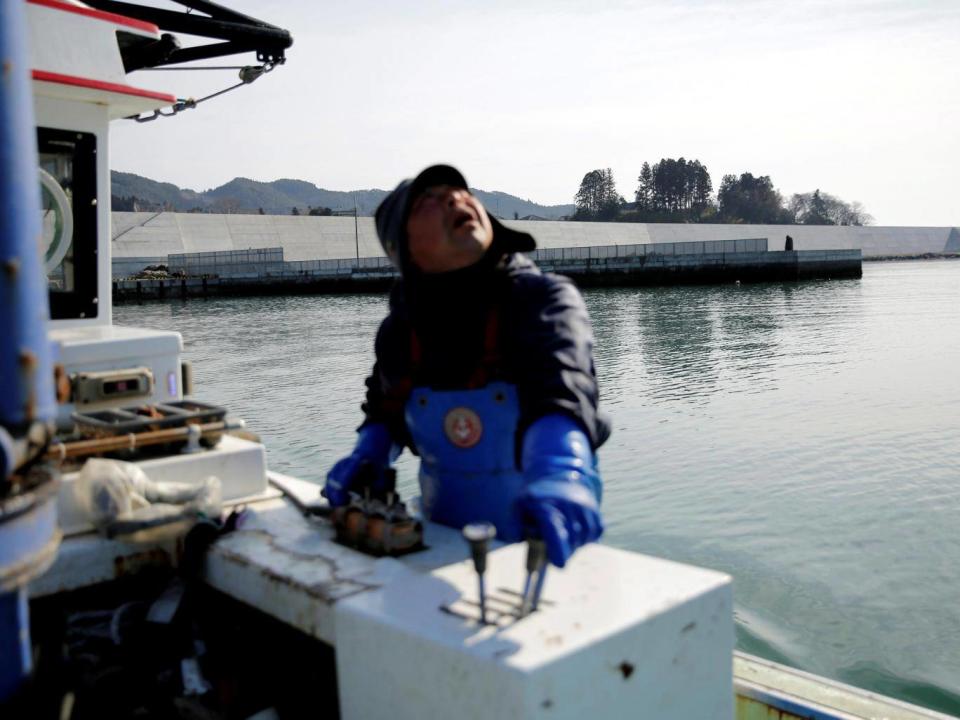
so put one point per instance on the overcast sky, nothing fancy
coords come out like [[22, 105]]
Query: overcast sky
[[860, 99]]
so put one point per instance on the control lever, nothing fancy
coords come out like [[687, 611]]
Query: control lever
[[536, 573], [479, 535]]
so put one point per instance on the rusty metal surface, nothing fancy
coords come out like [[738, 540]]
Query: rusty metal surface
[[85, 560], [750, 709], [290, 568], [28, 368], [330, 586], [134, 562]]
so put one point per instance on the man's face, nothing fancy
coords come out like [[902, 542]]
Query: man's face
[[447, 229]]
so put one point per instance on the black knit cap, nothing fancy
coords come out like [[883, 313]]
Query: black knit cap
[[391, 216]]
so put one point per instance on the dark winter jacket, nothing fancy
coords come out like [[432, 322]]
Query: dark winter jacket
[[435, 336]]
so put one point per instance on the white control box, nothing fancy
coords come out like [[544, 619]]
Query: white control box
[[618, 635], [98, 348]]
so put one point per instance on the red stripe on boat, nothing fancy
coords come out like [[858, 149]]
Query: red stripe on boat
[[44, 76], [98, 14]]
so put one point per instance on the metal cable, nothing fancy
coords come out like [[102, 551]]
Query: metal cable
[[248, 73], [204, 67]]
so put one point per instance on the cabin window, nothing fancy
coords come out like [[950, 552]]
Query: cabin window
[[68, 191]]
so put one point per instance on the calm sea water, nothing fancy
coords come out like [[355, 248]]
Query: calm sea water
[[801, 437]]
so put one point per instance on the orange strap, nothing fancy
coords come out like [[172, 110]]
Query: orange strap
[[491, 352], [485, 368]]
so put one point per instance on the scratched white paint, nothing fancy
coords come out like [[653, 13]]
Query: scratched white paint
[[619, 635]]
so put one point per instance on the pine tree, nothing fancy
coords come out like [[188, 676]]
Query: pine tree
[[644, 195], [597, 198]]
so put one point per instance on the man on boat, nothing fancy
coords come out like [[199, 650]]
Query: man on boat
[[484, 368]]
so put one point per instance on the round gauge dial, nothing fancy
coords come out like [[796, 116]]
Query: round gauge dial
[[57, 220]]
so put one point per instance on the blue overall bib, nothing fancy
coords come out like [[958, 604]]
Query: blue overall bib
[[466, 439]]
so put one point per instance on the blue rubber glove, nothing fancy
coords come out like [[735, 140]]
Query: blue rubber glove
[[562, 497], [374, 448]]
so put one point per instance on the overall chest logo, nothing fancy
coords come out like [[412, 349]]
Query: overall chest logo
[[463, 427]]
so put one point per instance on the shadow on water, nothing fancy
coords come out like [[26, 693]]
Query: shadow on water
[[691, 342], [754, 644], [676, 328]]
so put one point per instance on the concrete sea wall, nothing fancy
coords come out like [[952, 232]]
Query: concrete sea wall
[[713, 268], [142, 237], [264, 271]]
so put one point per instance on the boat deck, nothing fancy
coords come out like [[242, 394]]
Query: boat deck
[[288, 567]]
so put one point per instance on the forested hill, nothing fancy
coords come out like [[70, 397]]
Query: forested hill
[[286, 197]]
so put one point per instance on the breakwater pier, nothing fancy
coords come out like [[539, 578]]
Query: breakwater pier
[[265, 271]]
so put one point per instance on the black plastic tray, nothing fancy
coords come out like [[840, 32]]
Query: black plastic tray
[[120, 421]]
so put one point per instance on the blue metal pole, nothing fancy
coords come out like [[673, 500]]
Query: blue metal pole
[[28, 530], [14, 646], [26, 373]]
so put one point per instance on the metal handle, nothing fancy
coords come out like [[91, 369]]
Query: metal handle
[[478, 536]]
